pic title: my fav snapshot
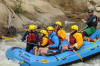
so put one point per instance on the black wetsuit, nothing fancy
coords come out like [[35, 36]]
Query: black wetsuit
[[92, 21]]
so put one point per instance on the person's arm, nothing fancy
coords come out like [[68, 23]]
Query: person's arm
[[25, 35], [83, 20], [55, 40]]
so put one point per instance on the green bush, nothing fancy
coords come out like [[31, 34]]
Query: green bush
[[18, 8]]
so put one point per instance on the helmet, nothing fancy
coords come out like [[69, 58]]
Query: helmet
[[90, 10], [43, 31], [75, 27], [50, 28], [58, 23], [32, 27]]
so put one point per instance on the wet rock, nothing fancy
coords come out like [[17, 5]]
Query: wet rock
[[73, 9], [11, 31], [39, 12], [94, 4], [3, 18], [42, 12], [98, 9]]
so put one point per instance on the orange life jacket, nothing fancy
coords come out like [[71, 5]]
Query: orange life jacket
[[49, 41], [60, 38], [41, 41]]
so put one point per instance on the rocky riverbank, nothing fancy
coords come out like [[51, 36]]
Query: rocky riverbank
[[20, 13]]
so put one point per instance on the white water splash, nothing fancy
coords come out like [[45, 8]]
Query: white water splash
[[4, 45]]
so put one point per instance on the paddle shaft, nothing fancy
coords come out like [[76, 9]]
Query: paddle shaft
[[81, 26], [78, 55], [4, 37]]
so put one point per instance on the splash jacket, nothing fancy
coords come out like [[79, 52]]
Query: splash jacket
[[55, 40], [44, 41], [76, 39], [61, 34]]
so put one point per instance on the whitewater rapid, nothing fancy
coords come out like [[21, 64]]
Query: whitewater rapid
[[4, 45]]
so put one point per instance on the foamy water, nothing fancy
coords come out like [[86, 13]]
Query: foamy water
[[4, 45], [3, 60]]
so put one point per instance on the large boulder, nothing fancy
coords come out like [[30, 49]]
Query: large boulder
[[19, 13], [73, 9], [43, 11], [8, 19], [39, 12], [3, 18], [94, 4]]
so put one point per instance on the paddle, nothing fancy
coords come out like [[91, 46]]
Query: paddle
[[78, 55], [81, 26], [82, 29], [4, 37]]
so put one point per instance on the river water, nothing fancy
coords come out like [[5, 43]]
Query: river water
[[5, 44]]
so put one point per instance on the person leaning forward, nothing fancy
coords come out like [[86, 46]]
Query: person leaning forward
[[76, 40]]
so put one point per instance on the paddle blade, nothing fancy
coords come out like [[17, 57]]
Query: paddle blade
[[4, 37]]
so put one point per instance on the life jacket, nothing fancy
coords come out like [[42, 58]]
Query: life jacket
[[72, 39], [41, 41], [60, 38], [32, 37], [50, 42], [55, 30]]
